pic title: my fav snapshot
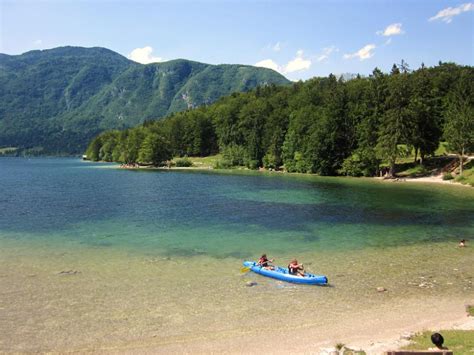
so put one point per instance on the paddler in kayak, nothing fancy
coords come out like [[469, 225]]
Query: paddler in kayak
[[295, 269], [263, 262]]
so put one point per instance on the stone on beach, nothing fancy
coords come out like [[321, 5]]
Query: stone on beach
[[69, 272]]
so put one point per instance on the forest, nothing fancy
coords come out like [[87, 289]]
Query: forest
[[325, 126]]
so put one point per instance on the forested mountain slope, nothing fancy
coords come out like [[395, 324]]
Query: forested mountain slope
[[56, 100]]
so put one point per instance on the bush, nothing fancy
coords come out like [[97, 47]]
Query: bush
[[252, 164], [360, 163], [234, 155], [222, 164], [184, 162], [270, 161], [448, 176], [298, 164], [352, 166], [470, 310]]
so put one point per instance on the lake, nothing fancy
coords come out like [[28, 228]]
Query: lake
[[97, 257]]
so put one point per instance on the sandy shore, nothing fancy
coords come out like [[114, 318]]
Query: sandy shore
[[372, 334], [436, 179], [433, 179], [126, 306]]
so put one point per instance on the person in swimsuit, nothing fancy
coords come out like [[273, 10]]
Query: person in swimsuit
[[295, 269], [462, 243], [263, 262]]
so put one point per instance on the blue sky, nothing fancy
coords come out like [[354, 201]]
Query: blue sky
[[299, 38]]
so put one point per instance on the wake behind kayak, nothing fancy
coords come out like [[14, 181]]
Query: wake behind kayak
[[281, 273]]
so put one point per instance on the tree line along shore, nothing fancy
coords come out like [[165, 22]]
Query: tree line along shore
[[324, 126]]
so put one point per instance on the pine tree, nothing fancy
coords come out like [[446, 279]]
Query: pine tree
[[459, 126], [396, 123], [425, 107]]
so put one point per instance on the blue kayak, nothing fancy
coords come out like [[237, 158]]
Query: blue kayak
[[282, 274]]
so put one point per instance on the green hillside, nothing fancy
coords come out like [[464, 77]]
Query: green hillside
[[56, 100], [327, 126]]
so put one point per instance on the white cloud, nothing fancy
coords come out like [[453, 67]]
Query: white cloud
[[391, 30], [274, 47], [268, 63], [363, 53], [299, 63], [326, 52], [277, 47], [447, 14], [144, 55], [38, 42]]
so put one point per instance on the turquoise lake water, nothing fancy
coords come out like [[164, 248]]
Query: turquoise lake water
[[219, 215], [96, 251]]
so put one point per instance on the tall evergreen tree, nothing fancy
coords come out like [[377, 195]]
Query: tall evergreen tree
[[396, 123], [459, 126], [425, 107]]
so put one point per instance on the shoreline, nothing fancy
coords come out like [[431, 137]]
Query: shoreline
[[373, 336], [465, 322], [431, 179]]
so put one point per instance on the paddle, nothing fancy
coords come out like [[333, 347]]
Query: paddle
[[244, 269]]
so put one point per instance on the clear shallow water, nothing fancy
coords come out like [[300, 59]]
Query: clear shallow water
[[158, 253], [220, 215]]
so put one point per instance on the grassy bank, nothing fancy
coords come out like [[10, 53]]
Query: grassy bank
[[459, 341], [208, 162], [467, 177], [406, 167]]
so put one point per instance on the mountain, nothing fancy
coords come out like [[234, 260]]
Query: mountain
[[56, 100], [348, 76]]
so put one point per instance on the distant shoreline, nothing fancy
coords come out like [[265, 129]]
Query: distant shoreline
[[433, 179]]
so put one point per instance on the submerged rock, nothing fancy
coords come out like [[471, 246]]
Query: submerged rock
[[69, 272], [251, 283], [426, 285], [381, 289]]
